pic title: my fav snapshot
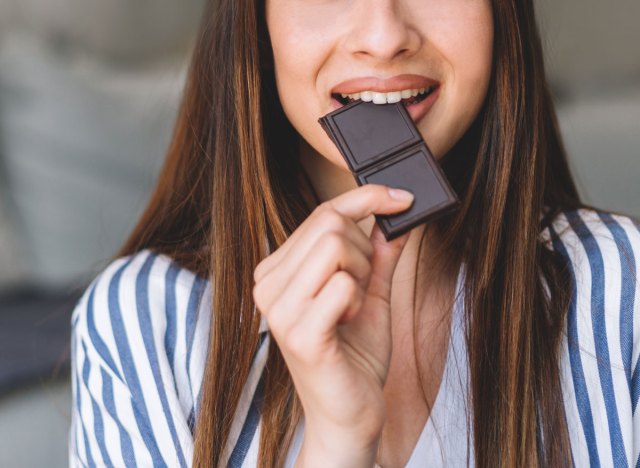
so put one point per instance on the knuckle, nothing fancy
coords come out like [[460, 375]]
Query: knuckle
[[339, 223], [279, 305], [332, 242], [323, 208], [346, 283], [257, 273], [261, 269], [275, 316], [257, 292], [332, 220]]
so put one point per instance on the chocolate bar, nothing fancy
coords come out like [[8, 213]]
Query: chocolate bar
[[382, 145]]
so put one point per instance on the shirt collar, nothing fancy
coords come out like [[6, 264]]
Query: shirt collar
[[263, 326]]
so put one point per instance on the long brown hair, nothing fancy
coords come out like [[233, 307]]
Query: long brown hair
[[231, 181]]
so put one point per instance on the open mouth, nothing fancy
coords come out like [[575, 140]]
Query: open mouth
[[412, 100]]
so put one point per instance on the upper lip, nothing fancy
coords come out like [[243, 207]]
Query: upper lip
[[383, 85]]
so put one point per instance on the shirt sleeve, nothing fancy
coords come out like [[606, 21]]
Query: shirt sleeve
[[632, 299], [619, 241], [126, 410], [601, 369]]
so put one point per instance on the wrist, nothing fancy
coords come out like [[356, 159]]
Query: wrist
[[320, 450]]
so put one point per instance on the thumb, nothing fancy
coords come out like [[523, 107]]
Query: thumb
[[384, 262]]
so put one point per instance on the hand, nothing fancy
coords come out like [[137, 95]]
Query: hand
[[325, 294]]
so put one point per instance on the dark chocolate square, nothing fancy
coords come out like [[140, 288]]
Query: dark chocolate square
[[412, 171], [382, 145], [366, 132]]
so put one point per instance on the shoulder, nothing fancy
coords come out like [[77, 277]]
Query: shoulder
[[142, 294], [602, 253], [146, 318], [138, 344], [601, 349], [604, 245]]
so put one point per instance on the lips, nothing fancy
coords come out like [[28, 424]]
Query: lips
[[416, 110], [382, 85]]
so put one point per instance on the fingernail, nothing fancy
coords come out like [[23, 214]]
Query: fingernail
[[399, 194]]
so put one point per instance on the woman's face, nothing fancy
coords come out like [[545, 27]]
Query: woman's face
[[324, 47]]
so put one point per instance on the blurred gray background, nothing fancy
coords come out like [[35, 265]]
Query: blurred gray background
[[88, 97]]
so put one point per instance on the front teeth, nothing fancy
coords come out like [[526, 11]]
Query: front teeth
[[387, 98]]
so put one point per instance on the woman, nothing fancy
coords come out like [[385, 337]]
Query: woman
[[257, 317]]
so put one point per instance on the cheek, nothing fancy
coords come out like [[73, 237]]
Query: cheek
[[462, 31], [473, 57], [301, 39], [290, 59], [301, 46], [463, 36], [472, 73]]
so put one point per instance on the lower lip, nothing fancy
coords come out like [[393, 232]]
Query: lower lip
[[416, 111]]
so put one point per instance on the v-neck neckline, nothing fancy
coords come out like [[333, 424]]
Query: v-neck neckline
[[414, 460]]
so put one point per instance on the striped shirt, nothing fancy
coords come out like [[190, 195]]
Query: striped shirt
[[140, 334]]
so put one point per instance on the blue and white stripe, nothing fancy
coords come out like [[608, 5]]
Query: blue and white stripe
[[140, 338], [602, 335], [137, 372]]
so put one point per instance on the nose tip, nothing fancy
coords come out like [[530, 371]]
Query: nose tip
[[383, 30]]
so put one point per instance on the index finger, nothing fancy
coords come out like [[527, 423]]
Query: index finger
[[369, 199], [355, 204]]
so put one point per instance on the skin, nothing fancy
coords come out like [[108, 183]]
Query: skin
[[316, 45]]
